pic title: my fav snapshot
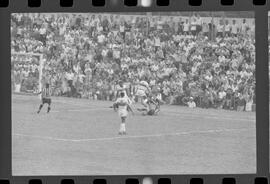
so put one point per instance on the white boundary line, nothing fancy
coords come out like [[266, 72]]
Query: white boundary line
[[134, 136]]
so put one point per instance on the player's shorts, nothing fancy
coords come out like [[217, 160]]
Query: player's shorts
[[151, 112], [46, 100], [140, 93], [123, 113]]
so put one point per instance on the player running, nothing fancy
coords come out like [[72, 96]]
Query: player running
[[46, 98], [122, 105]]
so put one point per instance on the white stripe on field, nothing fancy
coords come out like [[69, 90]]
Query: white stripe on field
[[134, 136]]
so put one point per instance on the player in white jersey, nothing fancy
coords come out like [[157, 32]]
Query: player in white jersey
[[122, 105]]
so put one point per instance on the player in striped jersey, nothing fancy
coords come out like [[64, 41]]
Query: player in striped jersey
[[46, 98], [142, 92]]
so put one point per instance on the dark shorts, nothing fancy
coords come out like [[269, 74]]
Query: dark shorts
[[151, 112], [46, 100]]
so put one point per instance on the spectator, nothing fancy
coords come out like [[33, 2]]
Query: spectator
[[86, 55]]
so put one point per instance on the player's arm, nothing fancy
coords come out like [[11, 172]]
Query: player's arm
[[117, 93], [115, 105], [130, 109], [50, 92], [185, 100], [154, 102], [39, 92]]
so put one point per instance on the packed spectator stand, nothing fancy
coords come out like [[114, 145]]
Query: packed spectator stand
[[86, 55]]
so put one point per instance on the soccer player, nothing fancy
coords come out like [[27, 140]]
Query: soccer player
[[121, 88], [46, 98], [151, 108], [142, 91], [122, 104]]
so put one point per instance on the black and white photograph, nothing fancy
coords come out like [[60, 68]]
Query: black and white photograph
[[269, 67], [133, 93]]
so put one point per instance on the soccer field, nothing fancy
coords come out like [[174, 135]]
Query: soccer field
[[80, 137]]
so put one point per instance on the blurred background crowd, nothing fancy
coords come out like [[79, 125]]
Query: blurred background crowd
[[209, 57]]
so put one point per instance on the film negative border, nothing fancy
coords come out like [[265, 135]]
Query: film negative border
[[261, 9], [217, 179], [132, 3], [98, 3]]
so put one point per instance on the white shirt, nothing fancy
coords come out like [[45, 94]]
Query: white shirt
[[159, 24], [186, 27], [227, 28], [42, 31], [70, 76], [191, 104], [157, 42], [220, 28], [221, 94], [122, 28], [101, 38], [234, 29]]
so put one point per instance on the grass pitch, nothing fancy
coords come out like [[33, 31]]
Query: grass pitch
[[80, 137]]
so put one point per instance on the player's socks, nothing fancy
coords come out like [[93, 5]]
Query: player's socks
[[40, 107], [121, 128], [48, 109], [124, 128]]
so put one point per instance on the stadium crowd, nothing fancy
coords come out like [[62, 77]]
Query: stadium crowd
[[87, 56]]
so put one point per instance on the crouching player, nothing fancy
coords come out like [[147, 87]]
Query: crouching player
[[123, 107], [45, 98], [151, 108]]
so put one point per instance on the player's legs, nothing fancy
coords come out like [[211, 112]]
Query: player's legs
[[41, 105], [122, 126], [157, 109], [49, 105], [144, 102], [143, 110]]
